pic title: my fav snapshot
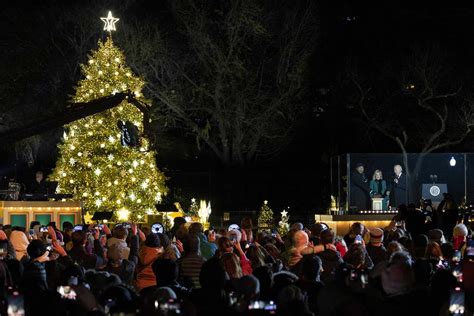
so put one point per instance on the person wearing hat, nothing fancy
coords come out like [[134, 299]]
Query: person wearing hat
[[375, 248], [360, 191]]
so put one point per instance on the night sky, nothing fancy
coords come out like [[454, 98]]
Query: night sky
[[34, 79]]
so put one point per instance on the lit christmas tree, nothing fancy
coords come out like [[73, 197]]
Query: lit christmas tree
[[193, 208], [283, 225], [103, 159], [265, 218]]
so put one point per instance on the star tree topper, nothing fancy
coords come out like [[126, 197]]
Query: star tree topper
[[284, 213], [109, 22]]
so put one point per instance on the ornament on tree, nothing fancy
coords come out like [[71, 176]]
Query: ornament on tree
[[265, 218], [283, 225], [128, 134]]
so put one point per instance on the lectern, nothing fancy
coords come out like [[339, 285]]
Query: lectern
[[434, 191], [377, 204]]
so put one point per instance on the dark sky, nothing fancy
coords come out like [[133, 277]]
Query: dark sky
[[371, 31]]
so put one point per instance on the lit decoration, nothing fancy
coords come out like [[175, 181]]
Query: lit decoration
[[452, 162], [109, 22], [105, 169], [265, 218], [88, 218], [123, 214], [283, 225], [204, 212], [193, 208]]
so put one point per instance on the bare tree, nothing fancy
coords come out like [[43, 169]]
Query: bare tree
[[422, 108], [235, 80]]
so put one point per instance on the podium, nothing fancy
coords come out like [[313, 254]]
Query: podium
[[434, 191], [377, 204]]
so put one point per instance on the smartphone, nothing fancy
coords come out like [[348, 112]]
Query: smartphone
[[49, 248], [358, 239], [67, 292], [456, 302], [16, 305], [43, 229], [32, 232]]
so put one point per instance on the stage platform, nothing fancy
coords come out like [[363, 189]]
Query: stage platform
[[341, 224], [21, 213]]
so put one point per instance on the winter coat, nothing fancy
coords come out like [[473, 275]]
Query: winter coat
[[146, 257]]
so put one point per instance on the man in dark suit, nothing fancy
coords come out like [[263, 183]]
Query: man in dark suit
[[398, 192], [360, 191]]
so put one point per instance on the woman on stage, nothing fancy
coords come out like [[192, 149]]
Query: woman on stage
[[378, 188]]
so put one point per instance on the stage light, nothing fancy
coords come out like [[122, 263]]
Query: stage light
[[452, 162]]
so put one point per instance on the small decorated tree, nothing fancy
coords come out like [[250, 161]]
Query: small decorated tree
[[193, 208], [265, 218], [283, 225]]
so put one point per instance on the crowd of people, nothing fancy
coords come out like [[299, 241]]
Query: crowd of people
[[401, 269]]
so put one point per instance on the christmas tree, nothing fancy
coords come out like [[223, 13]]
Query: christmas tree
[[193, 208], [265, 218], [103, 159], [283, 225]]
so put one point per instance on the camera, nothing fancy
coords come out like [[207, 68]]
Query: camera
[[43, 229], [157, 228]]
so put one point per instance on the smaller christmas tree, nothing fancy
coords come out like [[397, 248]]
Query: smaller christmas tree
[[193, 208], [283, 225], [265, 218]]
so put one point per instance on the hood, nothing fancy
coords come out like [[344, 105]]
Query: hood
[[149, 254], [19, 242]]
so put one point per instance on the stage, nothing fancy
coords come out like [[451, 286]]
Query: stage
[[21, 213], [341, 224]]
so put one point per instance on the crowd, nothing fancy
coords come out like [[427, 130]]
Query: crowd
[[407, 268]]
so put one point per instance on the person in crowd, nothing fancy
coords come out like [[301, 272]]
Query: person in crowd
[[167, 272], [316, 230], [170, 250], [330, 259], [360, 190], [378, 188], [255, 255], [398, 189], [207, 249], [460, 233], [375, 248], [227, 246], [434, 254], [310, 279], [178, 223], [118, 262], [420, 242], [190, 263], [148, 253], [81, 255], [447, 215], [357, 229], [437, 236], [119, 236], [20, 243]]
